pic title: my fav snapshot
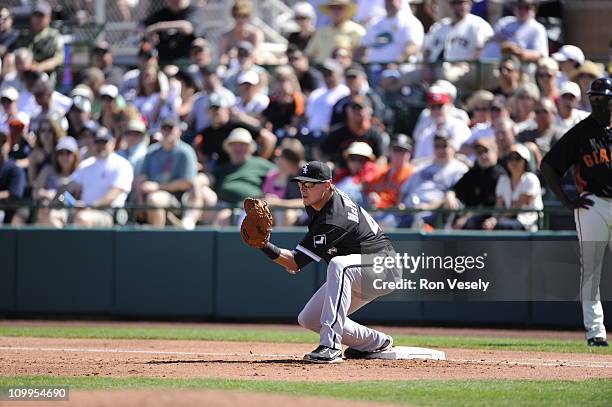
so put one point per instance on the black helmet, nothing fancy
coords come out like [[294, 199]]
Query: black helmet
[[601, 86]]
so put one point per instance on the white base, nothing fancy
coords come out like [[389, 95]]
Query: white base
[[408, 352]]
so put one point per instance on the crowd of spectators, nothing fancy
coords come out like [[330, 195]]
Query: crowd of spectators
[[193, 129]]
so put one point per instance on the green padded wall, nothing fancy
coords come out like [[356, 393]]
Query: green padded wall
[[65, 271], [164, 273], [8, 245]]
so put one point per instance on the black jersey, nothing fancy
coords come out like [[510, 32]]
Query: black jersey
[[588, 147], [340, 228]]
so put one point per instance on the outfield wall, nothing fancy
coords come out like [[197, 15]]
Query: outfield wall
[[210, 274]]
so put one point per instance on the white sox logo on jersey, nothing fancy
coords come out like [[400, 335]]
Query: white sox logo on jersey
[[319, 240]]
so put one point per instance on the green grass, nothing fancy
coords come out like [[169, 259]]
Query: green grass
[[443, 393], [280, 336]]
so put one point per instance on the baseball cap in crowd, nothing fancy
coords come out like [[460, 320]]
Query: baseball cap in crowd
[[67, 143], [250, 77], [331, 65], [200, 43], [478, 97], [9, 93], [83, 91], [361, 149], [391, 73], [209, 69], [569, 53], [109, 90], [239, 135], [438, 96], [314, 171], [303, 9], [90, 126], [354, 70], [81, 103], [499, 103], [218, 100], [522, 151], [448, 88], [102, 46], [136, 126], [171, 121], [21, 119], [42, 7], [571, 88], [402, 141], [103, 134]]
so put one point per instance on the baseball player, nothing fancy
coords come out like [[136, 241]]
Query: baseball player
[[588, 147], [339, 232]]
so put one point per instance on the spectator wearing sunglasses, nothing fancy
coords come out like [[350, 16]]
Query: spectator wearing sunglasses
[[519, 189], [547, 78]]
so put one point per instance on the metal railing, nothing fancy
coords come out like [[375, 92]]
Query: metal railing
[[129, 213]]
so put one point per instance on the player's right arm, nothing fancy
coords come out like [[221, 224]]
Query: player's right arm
[[554, 165]]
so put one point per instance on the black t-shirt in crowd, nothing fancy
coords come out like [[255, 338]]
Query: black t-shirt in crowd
[[340, 137], [210, 140], [477, 186], [339, 109], [172, 43], [340, 228], [296, 39], [588, 147], [280, 114]]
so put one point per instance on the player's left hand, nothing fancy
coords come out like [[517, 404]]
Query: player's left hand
[[582, 202]]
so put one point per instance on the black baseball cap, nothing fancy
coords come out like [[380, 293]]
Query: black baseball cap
[[314, 171], [402, 141], [103, 134], [601, 86]]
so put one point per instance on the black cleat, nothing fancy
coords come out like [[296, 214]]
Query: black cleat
[[323, 354], [597, 342], [351, 353]]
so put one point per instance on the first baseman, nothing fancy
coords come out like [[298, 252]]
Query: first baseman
[[339, 232], [588, 147]]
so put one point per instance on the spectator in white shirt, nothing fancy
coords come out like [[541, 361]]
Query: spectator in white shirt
[[458, 38], [103, 180], [394, 38], [251, 100], [321, 101], [520, 35], [198, 118], [567, 105], [440, 106], [520, 189]]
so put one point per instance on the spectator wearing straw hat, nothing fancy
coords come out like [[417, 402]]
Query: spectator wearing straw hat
[[244, 174], [584, 76], [341, 32]]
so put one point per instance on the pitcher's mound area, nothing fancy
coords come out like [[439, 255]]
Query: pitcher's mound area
[[271, 361]]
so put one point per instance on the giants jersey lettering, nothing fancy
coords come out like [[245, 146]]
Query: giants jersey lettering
[[341, 227], [588, 147]]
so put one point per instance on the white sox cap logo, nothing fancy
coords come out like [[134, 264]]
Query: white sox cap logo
[[305, 169], [319, 240]]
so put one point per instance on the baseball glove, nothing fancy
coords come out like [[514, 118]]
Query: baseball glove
[[257, 225]]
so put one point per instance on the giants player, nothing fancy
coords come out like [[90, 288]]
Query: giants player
[[339, 232], [588, 147]]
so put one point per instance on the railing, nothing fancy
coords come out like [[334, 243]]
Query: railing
[[128, 214]]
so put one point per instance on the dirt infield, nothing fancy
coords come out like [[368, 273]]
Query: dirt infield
[[271, 361]]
